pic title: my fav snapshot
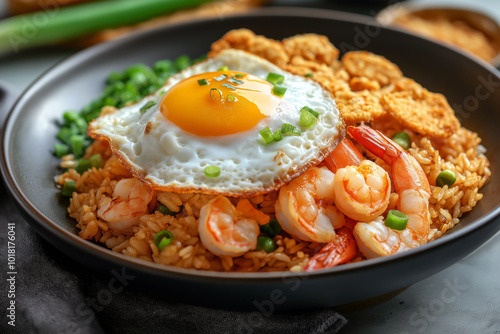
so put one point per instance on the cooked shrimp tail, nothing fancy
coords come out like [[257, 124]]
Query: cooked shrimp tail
[[345, 154], [406, 171], [340, 250], [411, 184]]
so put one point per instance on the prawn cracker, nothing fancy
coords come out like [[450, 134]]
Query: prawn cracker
[[371, 66], [420, 110], [357, 107], [361, 83], [246, 40], [312, 47]]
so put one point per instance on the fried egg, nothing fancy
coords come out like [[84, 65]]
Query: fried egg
[[211, 114]]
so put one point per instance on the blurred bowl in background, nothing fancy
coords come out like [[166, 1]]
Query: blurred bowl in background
[[466, 29]]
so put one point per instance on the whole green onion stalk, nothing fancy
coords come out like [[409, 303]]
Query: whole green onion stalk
[[54, 24]]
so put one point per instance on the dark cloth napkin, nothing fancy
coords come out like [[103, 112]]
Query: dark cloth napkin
[[53, 294]]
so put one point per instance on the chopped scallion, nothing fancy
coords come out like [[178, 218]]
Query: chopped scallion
[[266, 135], [307, 119], [60, 150], [235, 81], [182, 62], [228, 86], [212, 171], [64, 135], [309, 75], [290, 130], [165, 211], [203, 82], [223, 68], [82, 166], [96, 161], [396, 220], [69, 188], [77, 144], [275, 78], [279, 91], [215, 94], [146, 107], [309, 110], [231, 98], [163, 238], [220, 77], [239, 75], [277, 136]]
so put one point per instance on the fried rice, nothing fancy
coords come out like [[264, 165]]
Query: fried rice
[[360, 85]]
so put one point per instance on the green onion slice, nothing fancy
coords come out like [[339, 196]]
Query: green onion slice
[[82, 166], [220, 77], [231, 98], [307, 119], [212, 171], [76, 143], [266, 135], [69, 188], [309, 110], [279, 91], [309, 75], [223, 68], [239, 75], [275, 78], [235, 81], [96, 161], [396, 220], [147, 106], [277, 136], [165, 211], [163, 238], [60, 150], [290, 130], [402, 139], [203, 82], [446, 177], [228, 86], [215, 94]]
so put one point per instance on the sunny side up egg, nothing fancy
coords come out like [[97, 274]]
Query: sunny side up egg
[[205, 116]]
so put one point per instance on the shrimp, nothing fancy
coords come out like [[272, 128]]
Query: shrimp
[[305, 206], [225, 231], [131, 198], [342, 249], [345, 154], [410, 182], [362, 192]]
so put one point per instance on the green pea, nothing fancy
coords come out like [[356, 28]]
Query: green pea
[[266, 244], [446, 177], [271, 229], [402, 139]]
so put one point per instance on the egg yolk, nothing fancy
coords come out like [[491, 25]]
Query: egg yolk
[[219, 103]]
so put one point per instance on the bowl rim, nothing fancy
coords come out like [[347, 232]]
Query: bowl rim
[[43, 222]]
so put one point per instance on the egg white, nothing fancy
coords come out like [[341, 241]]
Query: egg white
[[168, 158]]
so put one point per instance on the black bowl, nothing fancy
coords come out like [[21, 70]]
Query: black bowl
[[28, 167]]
